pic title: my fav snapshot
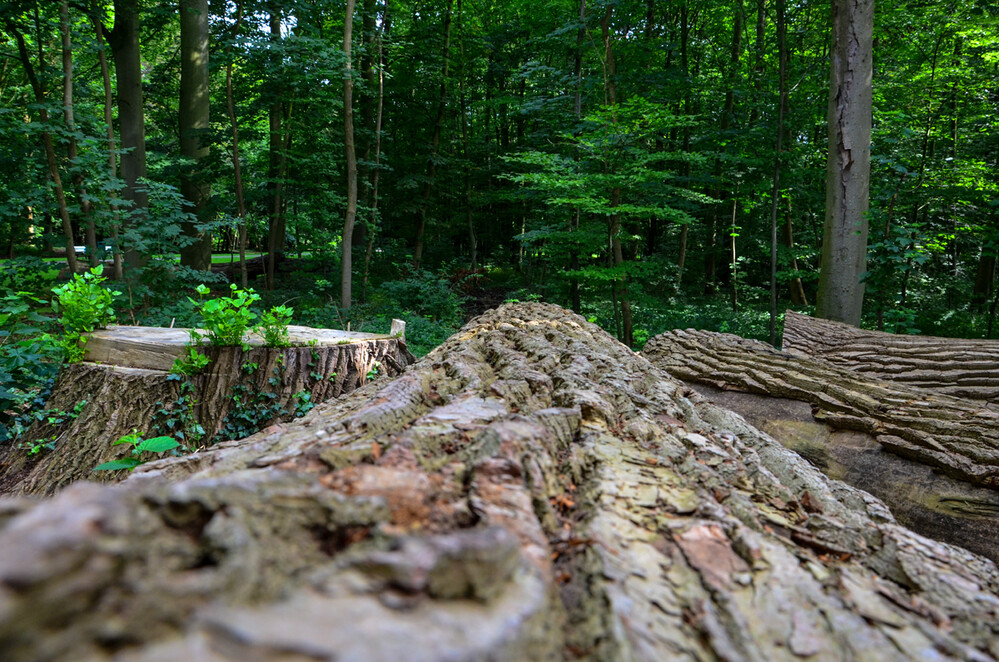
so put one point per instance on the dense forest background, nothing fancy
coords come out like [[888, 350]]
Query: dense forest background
[[617, 157]]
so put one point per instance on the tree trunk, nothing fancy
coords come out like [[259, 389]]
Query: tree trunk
[[577, 111], [531, 490], [951, 366], [376, 175], [276, 163], [797, 288], [237, 169], [90, 232], [47, 142], [844, 236], [716, 218], [124, 40], [625, 333], [112, 156], [921, 498], [435, 141], [781, 108], [193, 119], [346, 261], [956, 435], [126, 386]]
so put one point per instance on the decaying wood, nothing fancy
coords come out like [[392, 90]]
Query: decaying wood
[[963, 368], [958, 436], [531, 490], [131, 390]]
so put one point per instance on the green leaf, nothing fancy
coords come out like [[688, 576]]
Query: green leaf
[[124, 463], [157, 445]]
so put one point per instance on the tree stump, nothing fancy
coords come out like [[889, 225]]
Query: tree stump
[[530, 490], [126, 387], [951, 366]]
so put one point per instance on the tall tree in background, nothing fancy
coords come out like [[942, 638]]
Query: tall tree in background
[[234, 124], [65, 30], [844, 237], [193, 121], [38, 88], [435, 140], [351, 156], [124, 40], [97, 18]]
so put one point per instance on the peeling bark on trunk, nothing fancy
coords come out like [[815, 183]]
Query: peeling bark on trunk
[[121, 400], [531, 490], [951, 366], [844, 237]]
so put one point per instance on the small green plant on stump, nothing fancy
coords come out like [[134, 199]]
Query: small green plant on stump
[[226, 319], [157, 445], [85, 306], [274, 326]]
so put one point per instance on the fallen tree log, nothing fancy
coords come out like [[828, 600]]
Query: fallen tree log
[[952, 366], [957, 436], [531, 490], [125, 386], [920, 498]]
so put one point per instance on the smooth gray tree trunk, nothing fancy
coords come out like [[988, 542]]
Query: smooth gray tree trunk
[[844, 237]]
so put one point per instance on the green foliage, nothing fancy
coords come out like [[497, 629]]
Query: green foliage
[[252, 408], [193, 361], [303, 403], [274, 326], [423, 293], [52, 419], [30, 358], [84, 305], [176, 419], [140, 446], [226, 319]]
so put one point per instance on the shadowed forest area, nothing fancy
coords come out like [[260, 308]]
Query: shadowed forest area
[[637, 162]]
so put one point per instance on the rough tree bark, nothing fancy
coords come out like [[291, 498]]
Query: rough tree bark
[[127, 387], [531, 490], [952, 366], [802, 403], [844, 237], [958, 436]]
